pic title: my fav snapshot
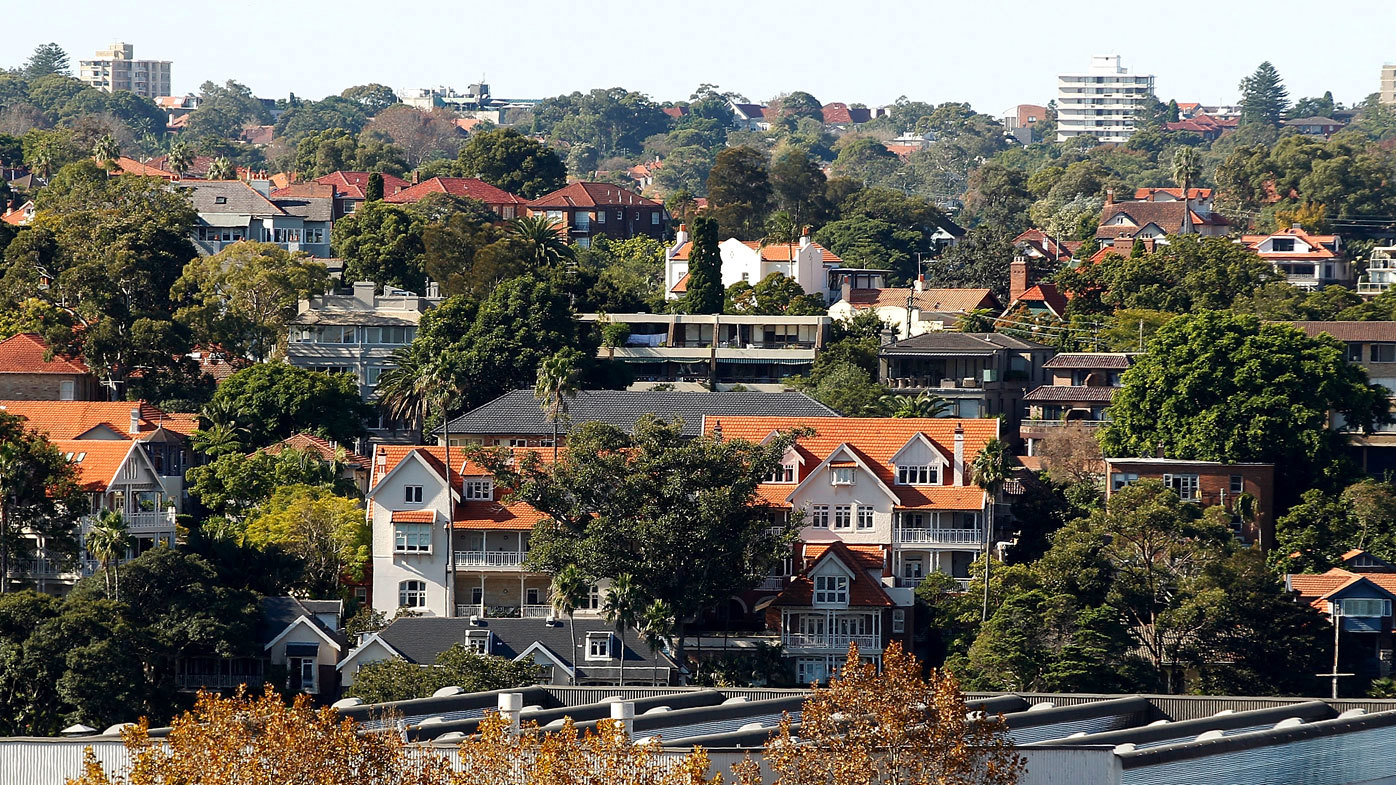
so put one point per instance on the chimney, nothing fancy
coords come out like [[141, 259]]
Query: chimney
[[804, 238], [510, 707], [363, 292], [1017, 278], [959, 453], [1109, 197], [845, 288], [433, 290], [681, 236], [624, 711], [920, 283], [717, 430], [135, 421]]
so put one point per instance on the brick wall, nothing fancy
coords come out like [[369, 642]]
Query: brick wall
[[46, 387]]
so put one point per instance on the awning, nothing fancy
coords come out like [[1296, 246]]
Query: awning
[[763, 361], [302, 649]]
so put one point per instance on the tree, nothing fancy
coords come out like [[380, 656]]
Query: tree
[[798, 184], [998, 196], [422, 136], [542, 238], [509, 160], [622, 607], [180, 157], [1263, 97], [39, 495], [1215, 386], [991, 468], [739, 192], [704, 293], [47, 59], [107, 542], [406, 391], [327, 532], [234, 485], [568, 592], [382, 243], [395, 679], [923, 405], [373, 97], [773, 295], [244, 297], [889, 727], [557, 383], [677, 515], [1187, 167], [276, 400], [308, 117], [105, 151], [374, 191], [1070, 454], [221, 168]]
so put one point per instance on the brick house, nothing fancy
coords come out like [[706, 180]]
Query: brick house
[[351, 189], [505, 204], [27, 375], [587, 210], [1208, 483], [1372, 346]]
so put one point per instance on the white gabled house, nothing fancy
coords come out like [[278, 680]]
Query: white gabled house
[[805, 262]]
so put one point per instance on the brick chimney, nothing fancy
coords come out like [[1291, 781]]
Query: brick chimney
[[1017, 278], [959, 466], [1109, 196]]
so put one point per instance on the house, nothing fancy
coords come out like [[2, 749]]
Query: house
[[231, 211], [198, 165], [356, 332], [1080, 390], [757, 352], [1372, 346], [1021, 122], [925, 310], [503, 203], [298, 643], [351, 189], [1307, 261], [594, 659], [1032, 302], [1315, 126], [22, 215], [842, 116], [27, 374], [1164, 213], [805, 262], [354, 467], [749, 117], [1209, 127], [1361, 597], [1208, 483], [885, 502], [588, 210], [979, 374], [1038, 245], [1380, 273], [515, 419]]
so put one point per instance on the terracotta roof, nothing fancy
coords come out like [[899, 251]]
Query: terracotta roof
[[180, 422], [496, 515], [1045, 293], [1144, 194], [260, 135], [866, 557], [1316, 589], [24, 353], [468, 187], [770, 253], [875, 440], [414, 516], [304, 191], [1070, 393], [96, 460], [199, 167], [591, 195], [72, 419], [839, 113], [864, 590], [682, 286], [674, 111], [1046, 245], [309, 442], [939, 300], [355, 184], [1349, 331], [133, 167], [1318, 245], [1167, 216]]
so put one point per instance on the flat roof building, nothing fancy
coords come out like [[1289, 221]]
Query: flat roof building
[[116, 68], [1103, 102]]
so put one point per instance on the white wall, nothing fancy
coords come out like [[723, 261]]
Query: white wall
[[389, 569]]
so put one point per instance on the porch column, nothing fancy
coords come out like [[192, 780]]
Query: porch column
[[482, 594], [521, 595]]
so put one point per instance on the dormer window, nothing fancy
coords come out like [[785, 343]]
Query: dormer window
[[783, 474], [479, 490], [830, 590], [918, 475], [599, 646], [478, 641], [843, 475]]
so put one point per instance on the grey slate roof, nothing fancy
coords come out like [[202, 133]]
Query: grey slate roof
[[239, 198], [421, 638], [278, 613], [946, 342], [518, 412], [1087, 360]]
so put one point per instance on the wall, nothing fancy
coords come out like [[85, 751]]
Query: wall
[[46, 387], [389, 568]]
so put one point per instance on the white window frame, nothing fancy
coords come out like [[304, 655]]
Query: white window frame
[[819, 516], [864, 519], [412, 594], [600, 647], [411, 538], [1364, 607], [918, 474], [898, 620], [843, 475], [478, 490], [784, 474], [831, 590], [478, 642], [412, 494], [1187, 486], [843, 516]]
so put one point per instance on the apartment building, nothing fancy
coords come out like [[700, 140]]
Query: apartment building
[[1080, 391], [1209, 484], [230, 211], [1103, 102], [979, 374], [1372, 346], [117, 68], [584, 211], [1380, 273], [1388, 84]]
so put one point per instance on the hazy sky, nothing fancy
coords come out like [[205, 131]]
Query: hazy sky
[[993, 54]]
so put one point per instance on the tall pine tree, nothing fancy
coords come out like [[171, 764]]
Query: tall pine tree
[[374, 191], [1263, 97], [704, 269], [47, 59]]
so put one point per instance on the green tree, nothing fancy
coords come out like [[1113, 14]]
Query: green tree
[[181, 158], [798, 184], [773, 295], [382, 243], [557, 384], [373, 97], [470, 253], [923, 405], [1216, 386], [221, 168], [374, 191], [327, 532], [395, 679], [234, 485], [1263, 97], [39, 495], [47, 59], [704, 293], [991, 468], [677, 515], [998, 196], [622, 607], [1187, 168], [105, 151], [509, 160], [244, 297], [542, 239], [276, 400], [568, 592], [739, 192], [107, 542]]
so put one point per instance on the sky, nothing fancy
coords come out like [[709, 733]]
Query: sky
[[992, 54]]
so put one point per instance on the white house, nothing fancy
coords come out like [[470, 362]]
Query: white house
[[806, 262], [1308, 261]]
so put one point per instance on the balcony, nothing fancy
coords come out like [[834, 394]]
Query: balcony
[[505, 611], [938, 536], [912, 581], [491, 559], [835, 642], [1031, 423], [152, 521], [773, 583]]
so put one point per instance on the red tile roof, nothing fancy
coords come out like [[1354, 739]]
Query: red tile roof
[[839, 113], [309, 442], [1145, 194], [1047, 246], [72, 419], [96, 460], [133, 167], [414, 516], [938, 300], [1316, 589], [770, 253], [355, 184], [591, 195], [496, 515], [864, 590], [468, 187], [1318, 245], [1046, 294], [304, 191], [24, 353]]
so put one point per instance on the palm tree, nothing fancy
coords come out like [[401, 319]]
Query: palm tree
[[991, 468], [105, 151], [557, 383], [180, 158], [1187, 168], [543, 237], [622, 608], [222, 169], [980, 320], [405, 391], [656, 625], [219, 438], [782, 229], [568, 593], [923, 405], [107, 542]]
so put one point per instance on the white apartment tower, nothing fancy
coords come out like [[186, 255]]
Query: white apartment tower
[[1103, 102], [117, 69], [1388, 83]]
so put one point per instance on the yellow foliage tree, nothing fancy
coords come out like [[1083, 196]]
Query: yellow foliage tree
[[889, 728], [327, 531]]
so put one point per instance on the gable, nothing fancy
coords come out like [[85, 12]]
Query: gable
[[843, 454], [919, 451]]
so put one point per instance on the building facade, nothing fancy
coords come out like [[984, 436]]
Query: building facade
[[1380, 273], [1388, 84], [1079, 393], [1103, 102], [584, 211], [805, 262], [28, 374], [1307, 261], [1208, 483], [980, 374], [231, 211], [117, 68]]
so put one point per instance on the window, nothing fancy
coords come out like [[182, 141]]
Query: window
[[899, 620], [819, 516], [412, 538], [581, 221], [350, 206], [394, 335], [337, 333], [477, 595], [478, 642], [220, 200], [918, 475], [844, 475], [372, 374], [654, 218], [555, 216], [533, 596], [314, 235], [783, 474], [1282, 244], [65, 390], [479, 490], [1384, 352], [1354, 352], [412, 594], [1237, 484], [1369, 608], [599, 646], [593, 600], [601, 216], [1119, 480], [412, 494], [811, 671], [830, 590], [865, 516], [1185, 485], [843, 516]]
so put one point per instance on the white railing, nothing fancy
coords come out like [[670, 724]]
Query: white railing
[[505, 611], [773, 583], [536, 611], [908, 582], [1062, 423], [837, 642], [158, 520], [938, 536], [490, 558]]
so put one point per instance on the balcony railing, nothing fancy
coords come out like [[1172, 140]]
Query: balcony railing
[[938, 536], [836, 642], [215, 681], [505, 611], [773, 583], [490, 558], [1030, 423], [158, 520]]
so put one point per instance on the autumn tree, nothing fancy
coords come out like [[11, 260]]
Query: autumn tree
[[890, 727], [326, 532]]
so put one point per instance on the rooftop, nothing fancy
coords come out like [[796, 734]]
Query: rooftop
[[946, 342], [591, 195], [25, 353]]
